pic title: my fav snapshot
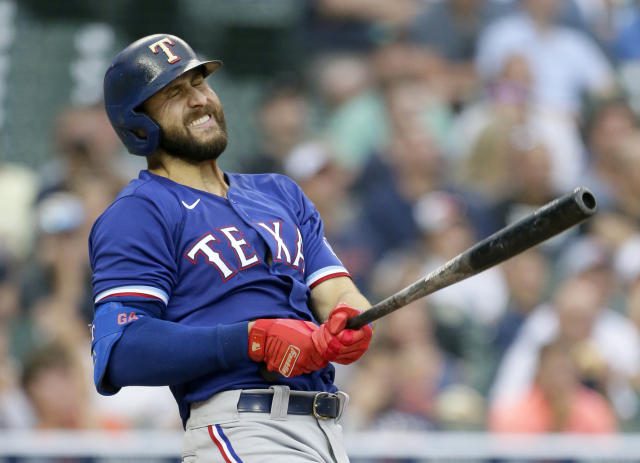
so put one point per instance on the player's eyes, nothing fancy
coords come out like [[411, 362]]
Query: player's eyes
[[173, 92]]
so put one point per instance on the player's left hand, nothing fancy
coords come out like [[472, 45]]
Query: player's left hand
[[337, 344], [285, 345]]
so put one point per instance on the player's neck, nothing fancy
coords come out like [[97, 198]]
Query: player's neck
[[206, 176]]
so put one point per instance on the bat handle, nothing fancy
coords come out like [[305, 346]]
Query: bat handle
[[359, 321], [268, 375]]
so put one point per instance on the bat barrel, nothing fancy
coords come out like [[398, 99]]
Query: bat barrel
[[546, 222], [550, 220]]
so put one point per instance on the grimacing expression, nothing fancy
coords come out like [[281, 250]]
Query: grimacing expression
[[191, 117]]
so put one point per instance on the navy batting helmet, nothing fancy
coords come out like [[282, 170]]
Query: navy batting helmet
[[138, 72]]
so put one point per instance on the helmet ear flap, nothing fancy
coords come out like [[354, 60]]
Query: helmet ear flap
[[139, 132]]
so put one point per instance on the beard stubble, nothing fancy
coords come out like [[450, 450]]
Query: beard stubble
[[183, 145]]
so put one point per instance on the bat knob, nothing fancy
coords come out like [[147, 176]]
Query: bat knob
[[268, 375]]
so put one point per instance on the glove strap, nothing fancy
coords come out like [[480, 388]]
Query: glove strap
[[258, 339]]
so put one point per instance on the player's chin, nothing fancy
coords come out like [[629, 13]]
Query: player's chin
[[214, 135]]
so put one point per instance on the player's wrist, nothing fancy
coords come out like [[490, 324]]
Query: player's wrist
[[258, 330]]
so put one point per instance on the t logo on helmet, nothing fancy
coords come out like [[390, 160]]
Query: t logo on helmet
[[162, 44]]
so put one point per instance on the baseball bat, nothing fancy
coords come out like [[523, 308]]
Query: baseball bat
[[551, 219]]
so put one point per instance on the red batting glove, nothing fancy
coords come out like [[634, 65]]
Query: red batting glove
[[285, 345], [336, 344]]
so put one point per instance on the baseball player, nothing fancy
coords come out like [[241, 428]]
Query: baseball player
[[203, 278]]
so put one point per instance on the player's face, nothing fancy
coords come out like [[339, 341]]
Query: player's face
[[191, 117]]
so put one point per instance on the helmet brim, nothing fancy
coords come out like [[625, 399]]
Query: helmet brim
[[209, 66]]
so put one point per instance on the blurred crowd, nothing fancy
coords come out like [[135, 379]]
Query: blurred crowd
[[417, 128]]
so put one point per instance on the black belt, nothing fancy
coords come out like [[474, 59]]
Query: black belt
[[322, 405]]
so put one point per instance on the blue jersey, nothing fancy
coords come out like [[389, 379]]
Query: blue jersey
[[211, 260]]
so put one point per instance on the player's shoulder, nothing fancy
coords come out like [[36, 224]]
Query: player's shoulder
[[271, 183], [143, 196], [147, 186]]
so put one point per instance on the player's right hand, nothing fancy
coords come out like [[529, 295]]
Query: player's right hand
[[285, 345], [340, 345]]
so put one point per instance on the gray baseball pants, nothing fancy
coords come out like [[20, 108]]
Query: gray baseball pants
[[217, 433]]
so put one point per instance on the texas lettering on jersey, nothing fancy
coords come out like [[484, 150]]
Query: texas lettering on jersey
[[210, 249]]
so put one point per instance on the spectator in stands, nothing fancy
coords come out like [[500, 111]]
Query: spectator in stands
[[555, 402], [626, 165], [460, 407], [357, 25], [623, 237], [9, 293], [409, 166], [86, 148], [417, 371], [283, 122], [18, 190], [603, 254], [57, 283], [528, 279], [480, 135], [605, 345], [632, 306], [625, 45], [609, 121], [601, 19], [625, 51], [558, 56], [393, 180], [14, 410], [53, 382], [530, 183], [529, 186], [374, 385], [451, 29], [352, 113], [361, 125], [483, 135], [340, 77]]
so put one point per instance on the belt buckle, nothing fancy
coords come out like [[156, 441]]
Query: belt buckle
[[319, 395]]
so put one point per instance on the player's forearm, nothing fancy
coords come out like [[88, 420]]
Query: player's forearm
[[154, 352], [352, 298], [330, 293]]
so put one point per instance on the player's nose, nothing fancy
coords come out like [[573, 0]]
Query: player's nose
[[196, 98]]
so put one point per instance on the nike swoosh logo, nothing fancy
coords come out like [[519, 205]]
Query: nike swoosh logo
[[191, 206], [255, 346]]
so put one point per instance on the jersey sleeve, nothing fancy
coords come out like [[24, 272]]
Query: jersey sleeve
[[132, 253], [321, 262]]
